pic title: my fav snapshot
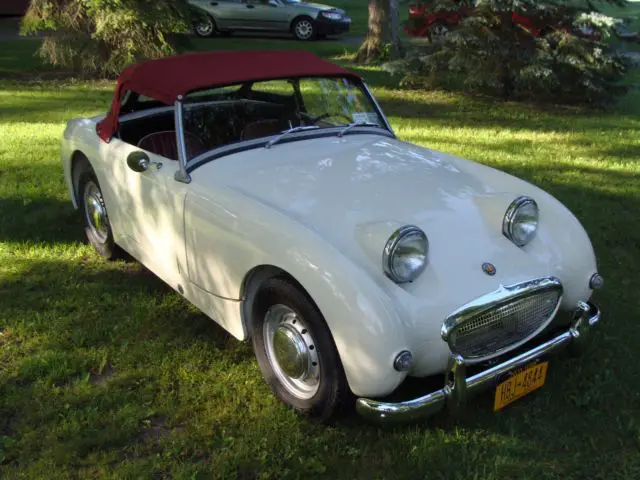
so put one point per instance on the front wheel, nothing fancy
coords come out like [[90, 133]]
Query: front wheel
[[96, 221], [295, 351], [205, 27], [304, 29]]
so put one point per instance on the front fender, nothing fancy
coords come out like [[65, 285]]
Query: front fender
[[228, 234]]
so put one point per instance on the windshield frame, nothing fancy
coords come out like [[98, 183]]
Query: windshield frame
[[189, 165]]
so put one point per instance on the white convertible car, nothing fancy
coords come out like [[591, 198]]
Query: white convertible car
[[269, 190]]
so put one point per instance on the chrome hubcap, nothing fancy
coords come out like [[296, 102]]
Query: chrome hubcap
[[291, 351], [204, 27], [96, 212], [439, 31], [304, 29]]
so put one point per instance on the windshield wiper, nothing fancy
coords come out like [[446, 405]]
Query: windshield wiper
[[300, 128], [356, 124]]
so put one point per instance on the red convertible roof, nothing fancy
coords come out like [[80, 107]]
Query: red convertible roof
[[168, 78]]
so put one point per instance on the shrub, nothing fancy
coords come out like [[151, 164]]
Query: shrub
[[569, 60]]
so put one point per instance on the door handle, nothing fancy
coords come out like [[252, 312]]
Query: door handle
[[214, 3], [251, 6]]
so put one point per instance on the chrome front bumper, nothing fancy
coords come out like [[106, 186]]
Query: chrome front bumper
[[458, 387]]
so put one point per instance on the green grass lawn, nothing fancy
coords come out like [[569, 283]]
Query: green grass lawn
[[106, 372]]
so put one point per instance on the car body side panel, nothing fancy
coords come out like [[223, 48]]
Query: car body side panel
[[217, 230], [266, 17], [320, 185], [170, 266], [226, 13], [228, 234], [235, 14]]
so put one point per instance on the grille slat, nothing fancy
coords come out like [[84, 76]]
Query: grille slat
[[506, 324]]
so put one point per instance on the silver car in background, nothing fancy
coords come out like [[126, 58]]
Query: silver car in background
[[306, 21]]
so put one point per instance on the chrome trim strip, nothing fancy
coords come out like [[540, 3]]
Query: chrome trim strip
[[392, 244], [377, 105], [246, 145], [181, 175], [502, 295], [510, 215], [458, 388]]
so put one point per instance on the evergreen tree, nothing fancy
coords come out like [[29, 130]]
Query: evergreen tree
[[101, 37], [546, 49]]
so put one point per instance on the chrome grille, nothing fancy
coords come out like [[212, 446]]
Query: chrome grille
[[481, 332]]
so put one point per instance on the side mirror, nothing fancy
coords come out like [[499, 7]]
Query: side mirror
[[138, 161], [273, 3]]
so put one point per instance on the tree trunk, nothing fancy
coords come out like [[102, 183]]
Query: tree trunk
[[382, 32], [506, 77]]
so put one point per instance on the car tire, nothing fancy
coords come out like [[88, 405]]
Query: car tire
[[96, 221], [295, 351], [438, 31], [304, 29], [205, 27]]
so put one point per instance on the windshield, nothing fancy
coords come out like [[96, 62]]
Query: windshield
[[218, 117]]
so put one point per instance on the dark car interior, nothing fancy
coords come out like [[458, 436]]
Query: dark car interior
[[211, 119]]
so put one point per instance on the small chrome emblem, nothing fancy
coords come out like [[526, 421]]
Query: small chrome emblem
[[489, 268]]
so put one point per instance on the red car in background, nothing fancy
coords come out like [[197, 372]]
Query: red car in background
[[426, 22]]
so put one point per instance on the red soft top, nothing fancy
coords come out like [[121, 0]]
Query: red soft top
[[166, 79]]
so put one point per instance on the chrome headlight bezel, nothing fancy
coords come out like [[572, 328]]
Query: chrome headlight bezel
[[404, 234], [510, 222]]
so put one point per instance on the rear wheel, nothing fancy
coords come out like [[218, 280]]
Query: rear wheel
[[295, 351], [304, 29], [205, 26]]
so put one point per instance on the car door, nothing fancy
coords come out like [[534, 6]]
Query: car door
[[264, 15], [226, 13], [148, 220]]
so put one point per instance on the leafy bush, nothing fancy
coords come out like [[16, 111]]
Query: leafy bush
[[569, 60], [101, 37]]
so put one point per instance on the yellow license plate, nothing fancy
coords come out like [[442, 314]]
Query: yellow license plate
[[521, 383]]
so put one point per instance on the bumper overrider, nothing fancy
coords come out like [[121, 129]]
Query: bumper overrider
[[458, 386]]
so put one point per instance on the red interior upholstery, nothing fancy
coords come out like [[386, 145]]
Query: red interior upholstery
[[261, 128], [165, 144]]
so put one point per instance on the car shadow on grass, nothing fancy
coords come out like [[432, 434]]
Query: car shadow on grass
[[39, 220], [92, 295]]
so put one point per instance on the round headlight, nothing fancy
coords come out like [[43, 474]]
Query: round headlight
[[521, 221], [405, 254]]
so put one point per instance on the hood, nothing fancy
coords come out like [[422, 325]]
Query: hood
[[317, 7], [333, 185], [356, 191]]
